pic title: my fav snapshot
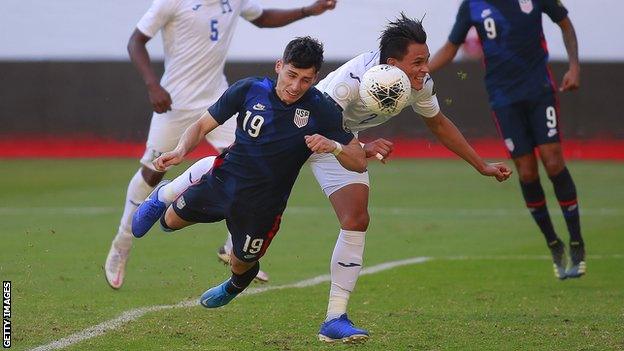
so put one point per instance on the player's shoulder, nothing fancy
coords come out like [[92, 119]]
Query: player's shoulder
[[343, 83], [363, 62], [321, 102], [262, 83], [315, 98]]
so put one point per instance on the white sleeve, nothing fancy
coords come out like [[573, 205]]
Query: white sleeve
[[161, 12], [342, 88], [251, 10], [426, 104]]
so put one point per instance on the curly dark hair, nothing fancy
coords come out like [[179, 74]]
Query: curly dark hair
[[304, 52]]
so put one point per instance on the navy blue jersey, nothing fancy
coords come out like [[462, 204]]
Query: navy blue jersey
[[260, 168], [513, 45]]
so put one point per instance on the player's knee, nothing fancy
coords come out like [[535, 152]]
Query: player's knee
[[171, 220], [357, 221], [554, 166], [527, 173], [151, 177]]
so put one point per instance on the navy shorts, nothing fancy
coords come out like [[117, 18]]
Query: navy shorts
[[252, 229], [529, 123]]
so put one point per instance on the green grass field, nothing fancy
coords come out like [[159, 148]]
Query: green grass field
[[488, 285]]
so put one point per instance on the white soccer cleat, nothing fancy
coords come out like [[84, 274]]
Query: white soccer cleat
[[224, 257], [262, 277], [115, 267]]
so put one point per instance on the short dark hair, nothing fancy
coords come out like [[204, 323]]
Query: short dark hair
[[304, 52], [397, 36]]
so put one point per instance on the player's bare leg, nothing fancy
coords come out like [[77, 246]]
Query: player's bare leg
[[351, 206], [565, 190], [141, 184]]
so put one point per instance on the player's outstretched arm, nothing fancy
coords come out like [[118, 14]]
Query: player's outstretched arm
[[192, 136], [453, 139], [572, 78], [350, 156], [272, 18], [443, 56], [158, 96]]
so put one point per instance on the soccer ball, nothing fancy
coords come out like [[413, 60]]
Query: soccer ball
[[385, 90]]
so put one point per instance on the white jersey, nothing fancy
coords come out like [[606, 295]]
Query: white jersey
[[343, 85], [196, 37]]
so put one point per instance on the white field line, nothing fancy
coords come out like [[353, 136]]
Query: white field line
[[317, 210], [136, 313]]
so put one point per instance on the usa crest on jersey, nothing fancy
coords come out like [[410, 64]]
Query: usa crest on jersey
[[301, 117], [526, 6]]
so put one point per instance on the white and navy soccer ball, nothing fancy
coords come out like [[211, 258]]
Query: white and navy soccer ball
[[385, 89]]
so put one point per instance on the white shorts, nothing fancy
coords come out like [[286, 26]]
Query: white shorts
[[167, 128], [331, 176]]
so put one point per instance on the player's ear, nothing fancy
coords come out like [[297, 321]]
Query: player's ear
[[279, 64], [391, 61]]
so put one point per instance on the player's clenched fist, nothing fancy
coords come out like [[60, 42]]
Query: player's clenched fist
[[500, 171], [319, 6], [167, 160], [320, 144], [160, 98]]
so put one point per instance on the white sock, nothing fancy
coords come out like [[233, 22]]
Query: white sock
[[171, 191], [137, 191], [348, 251], [228, 243]]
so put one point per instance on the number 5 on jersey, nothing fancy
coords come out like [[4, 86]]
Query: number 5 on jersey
[[254, 125]]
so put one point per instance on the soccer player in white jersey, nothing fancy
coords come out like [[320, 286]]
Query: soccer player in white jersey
[[196, 36], [402, 44]]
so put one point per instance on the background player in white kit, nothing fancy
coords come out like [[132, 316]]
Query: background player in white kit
[[402, 44], [196, 37]]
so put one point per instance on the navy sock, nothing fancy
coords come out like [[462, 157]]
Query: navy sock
[[565, 190], [536, 203], [239, 282]]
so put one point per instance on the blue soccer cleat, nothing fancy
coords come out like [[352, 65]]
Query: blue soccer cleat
[[342, 329], [148, 212], [216, 296]]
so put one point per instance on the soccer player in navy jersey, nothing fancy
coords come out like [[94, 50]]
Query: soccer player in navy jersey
[[523, 97], [196, 36], [279, 125]]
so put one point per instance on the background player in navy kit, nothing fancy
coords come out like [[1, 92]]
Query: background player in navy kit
[[523, 96], [279, 125]]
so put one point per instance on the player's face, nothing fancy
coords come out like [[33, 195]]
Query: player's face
[[293, 82], [414, 64]]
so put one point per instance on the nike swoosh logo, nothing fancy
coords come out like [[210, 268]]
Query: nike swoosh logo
[[355, 77], [196, 7], [349, 264], [134, 203]]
